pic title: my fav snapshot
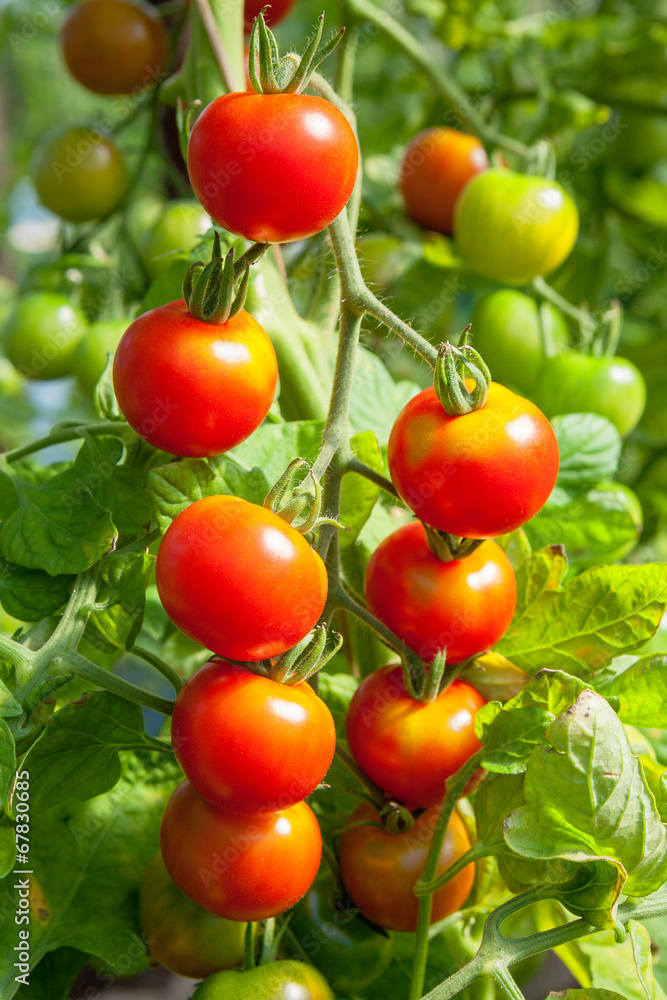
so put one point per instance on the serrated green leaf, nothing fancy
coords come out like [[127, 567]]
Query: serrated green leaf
[[599, 526], [336, 691], [7, 759], [31, 594], [54, 975], [83, 865], [496, 798], [580, 628], [642, 692], [124, 581], [58, 527], [590, 449], [641, 948], [359, 495], [76, 756], [586, 799], [273, 446], [7, 850]]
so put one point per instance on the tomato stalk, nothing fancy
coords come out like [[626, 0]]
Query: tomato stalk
[[451, 93], [581, 316]]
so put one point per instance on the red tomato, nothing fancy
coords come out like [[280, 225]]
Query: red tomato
[[238, 579], [465, 605], [239, 867], [278, 10], [114, 46], [407, 747], [380, 868], [272, 167], [249, 744], [436, 166], [194, 388], [477, 475]]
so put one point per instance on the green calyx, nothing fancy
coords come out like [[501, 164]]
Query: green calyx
[[287, 74], [449, 547], [302, 661], [216, 292], [298, 503], [454, 366]]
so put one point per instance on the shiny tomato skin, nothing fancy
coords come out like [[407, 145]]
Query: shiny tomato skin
[[380, 868], [478, 475], [272, 167], [285, 980], [436, 166], [240, 867], [179, 934], [513, 227], [194, 388], [408, 747], [278, 11], [465, 605], [114, 46], [578, 383], [79, 173], [41, 334], [238, 579], [247, 743]]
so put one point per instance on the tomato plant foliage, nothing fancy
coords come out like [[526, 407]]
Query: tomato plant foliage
[[301, 478]]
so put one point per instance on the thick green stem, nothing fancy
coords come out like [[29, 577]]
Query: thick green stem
[[584, 319], [68, 434], [159, 665], [353, 464], [337, 430], [454, 788], [76, 664], [450, 92]]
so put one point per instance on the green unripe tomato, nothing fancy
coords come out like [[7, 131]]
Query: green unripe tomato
[[641, 142], [578, 383], [513, 227], [345, 948], [11, 383], [90, 357], [175, 233], [619, 497], [181, 935], [79, 173], [506, 332], [273, 981], [41, 333]]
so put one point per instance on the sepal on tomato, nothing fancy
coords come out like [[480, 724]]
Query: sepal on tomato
[[455, 367], [212, 294], [287, 74], [298, 504]]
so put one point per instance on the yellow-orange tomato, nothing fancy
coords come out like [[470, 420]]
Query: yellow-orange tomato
[[436, 167], [380, 868]]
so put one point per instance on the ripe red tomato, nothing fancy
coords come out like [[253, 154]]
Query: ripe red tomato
[[477, 475], [238, 579], [436, 166], [79, 173], [114, 46], [380, 868], [251, 162], [465, 605], [278, 10], [239, 867], [190, 387], [181, 935], [407, 747], [249, 744]]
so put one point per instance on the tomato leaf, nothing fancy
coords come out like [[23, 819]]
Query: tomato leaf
[[590, 449], [585, 994], [496, 798], [596, 527], [54, 975], [359, 494], [587, 799], [7, 850], [97, 852], [124, 581], [641, 948], [580, 628], [511, 732], [336, 691], [58, 526], [376, 398], [273, 446], [7, 759], [76, 755], [641, 690], [31, 594]]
